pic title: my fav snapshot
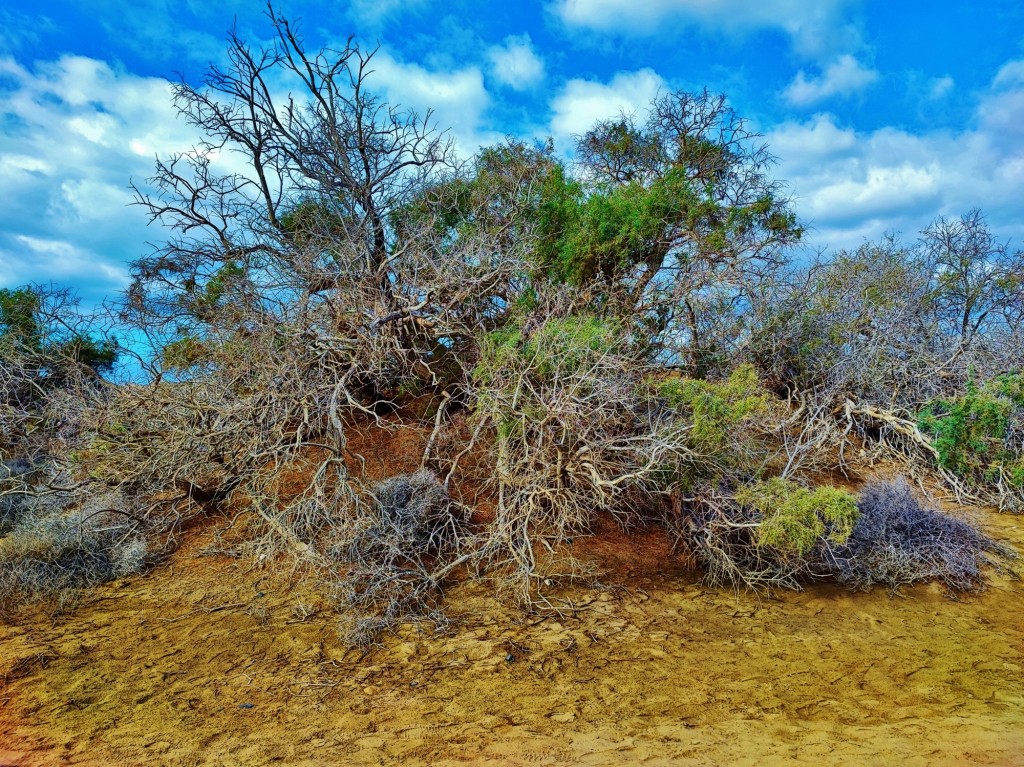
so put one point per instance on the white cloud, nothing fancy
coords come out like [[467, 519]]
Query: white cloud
[[373, 12], [67, 151], [89, 200], [1010, 75], [814, 27], [842, 77], [818, 137], [58, 261], [850, 185], [14, 165], [515, 63], [940, 87], [457, 98], [581, 103]]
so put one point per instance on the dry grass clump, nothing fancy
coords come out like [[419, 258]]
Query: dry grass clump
[[51, 555], [897, 541], [399, 550]]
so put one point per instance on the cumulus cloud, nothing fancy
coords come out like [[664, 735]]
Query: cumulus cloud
[[515, 63], [852, 185], [842, 77], [580, 103], [457, 98], [814, 28], [76, 130]]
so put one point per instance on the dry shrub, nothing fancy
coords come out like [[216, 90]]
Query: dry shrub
[[51, 556], [897, 541], [15, 489], [399, 549], [724, 537], [889, 539], [573, 431]]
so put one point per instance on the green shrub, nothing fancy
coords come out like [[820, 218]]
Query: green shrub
[[970, 432], [717, 408], [796, 519], [726, 423], [563, 345]]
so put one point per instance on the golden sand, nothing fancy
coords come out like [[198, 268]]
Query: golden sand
[[203, 662]]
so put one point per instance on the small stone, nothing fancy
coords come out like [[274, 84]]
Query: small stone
[[510, 657], [566, 716]]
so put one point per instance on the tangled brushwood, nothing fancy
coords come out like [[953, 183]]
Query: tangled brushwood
[[618, 335], [897, 541], [397, 551]]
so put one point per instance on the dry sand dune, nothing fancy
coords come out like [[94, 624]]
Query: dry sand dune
[[205, 662]]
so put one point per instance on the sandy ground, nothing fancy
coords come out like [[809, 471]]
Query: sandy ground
[[205, 662]]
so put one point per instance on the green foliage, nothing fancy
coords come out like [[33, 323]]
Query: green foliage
[[184, 353], [726, 422], [607, 233], [28, 325], [217, 287], [604, 234], [796, 519], [558, 213], [96, 355], [509, 198], [564, 345], [1011, 386], [569, 344], [498, 350], [716, 408], [518, 372], [970, 432], [19, 321], [204, 298]]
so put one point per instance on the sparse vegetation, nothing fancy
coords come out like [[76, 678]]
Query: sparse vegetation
[[52, 554], [618, 335]]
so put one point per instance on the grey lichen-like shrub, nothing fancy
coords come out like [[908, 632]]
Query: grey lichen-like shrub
[[898, 541], [15, 480], [51, 557], [400, 547]]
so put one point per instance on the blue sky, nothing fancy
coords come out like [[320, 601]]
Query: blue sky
[[883, 115]]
